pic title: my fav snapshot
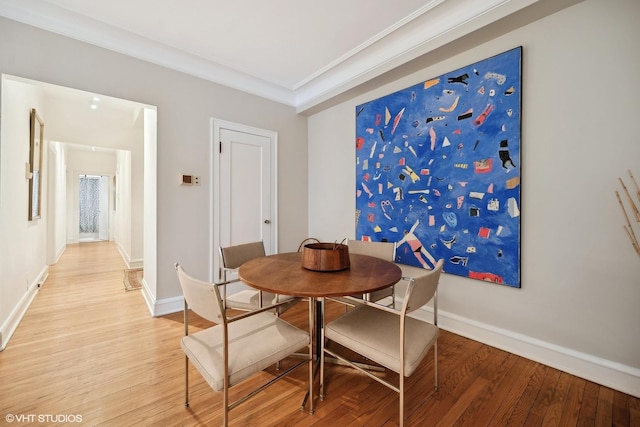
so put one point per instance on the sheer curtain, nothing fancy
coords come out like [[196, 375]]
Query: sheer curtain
[[89, 203]]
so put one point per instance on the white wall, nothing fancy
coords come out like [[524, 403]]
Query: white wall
[[150, 243], [578, 305], [57, 205], [22, 243], [122, 233], [185, 106]]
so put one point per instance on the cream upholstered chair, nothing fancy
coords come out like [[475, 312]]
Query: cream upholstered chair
[[237, 347], [383, 250], [388, 336], [247, 299]]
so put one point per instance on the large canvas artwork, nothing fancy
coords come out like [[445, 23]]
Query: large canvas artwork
[[438, 170]]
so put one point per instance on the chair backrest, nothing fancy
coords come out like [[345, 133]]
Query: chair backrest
[[423, 288], [383, 250], [202, 297], [235, 256]]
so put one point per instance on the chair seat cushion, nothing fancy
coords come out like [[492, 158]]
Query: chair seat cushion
[[375, 334], [382, 293], [249, 299], [412, 271], [255, 343]]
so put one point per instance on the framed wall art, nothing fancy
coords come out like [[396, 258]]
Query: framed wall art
[[36, 141], [438, 170]]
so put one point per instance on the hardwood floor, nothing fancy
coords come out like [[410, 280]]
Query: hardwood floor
[[88, 349]]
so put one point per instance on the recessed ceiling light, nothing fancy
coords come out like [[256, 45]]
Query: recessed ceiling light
[[96, 99], [93, 106]]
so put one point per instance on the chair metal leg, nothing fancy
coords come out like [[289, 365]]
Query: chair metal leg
[[312, 331], [186, 359], [435, 362], [313, 365], [401, 422], [322, 357], [393, 297], [186, 381], [225, 404]]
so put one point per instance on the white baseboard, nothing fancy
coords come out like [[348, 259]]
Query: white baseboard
[[136, 263], [161, 307], [601, 371], [58, 254], [131, 263], [9, 326], [123, 254]]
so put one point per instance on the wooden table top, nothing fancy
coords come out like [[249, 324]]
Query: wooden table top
[[284, 274]]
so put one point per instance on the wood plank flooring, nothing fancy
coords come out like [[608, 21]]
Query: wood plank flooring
[[86, 348]]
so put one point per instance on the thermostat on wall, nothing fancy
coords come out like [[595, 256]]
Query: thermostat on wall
[[189, 180]]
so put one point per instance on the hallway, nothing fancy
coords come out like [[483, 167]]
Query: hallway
[[88, 348]]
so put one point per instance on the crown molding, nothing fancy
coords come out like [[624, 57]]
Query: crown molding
[[434, 25], [48, 17], [449, 21]]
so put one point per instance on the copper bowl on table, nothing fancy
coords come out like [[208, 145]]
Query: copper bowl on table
[[325, 256]]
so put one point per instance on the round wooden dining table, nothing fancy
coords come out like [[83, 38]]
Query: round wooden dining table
[[284, 274]]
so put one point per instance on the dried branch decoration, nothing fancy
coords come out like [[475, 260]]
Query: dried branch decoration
[[634, 211]]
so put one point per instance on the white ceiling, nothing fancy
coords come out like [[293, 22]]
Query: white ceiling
[[297, 52], [114, 124]]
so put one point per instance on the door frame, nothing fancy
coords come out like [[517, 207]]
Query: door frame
[[75, 218], [214, 238], [105, 217]]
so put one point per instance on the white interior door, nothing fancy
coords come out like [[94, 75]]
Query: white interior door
[[244, 192]]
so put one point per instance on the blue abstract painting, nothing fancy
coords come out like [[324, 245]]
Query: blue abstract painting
[[438, 170]]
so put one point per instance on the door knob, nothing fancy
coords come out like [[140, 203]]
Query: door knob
[[266, 221]]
